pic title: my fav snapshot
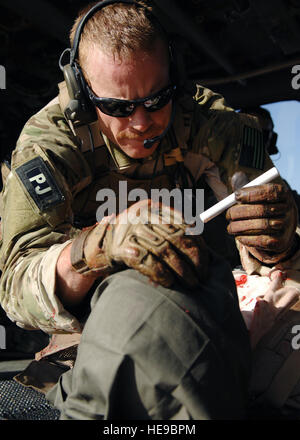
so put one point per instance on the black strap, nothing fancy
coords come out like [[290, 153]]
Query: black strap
[[89, 14]]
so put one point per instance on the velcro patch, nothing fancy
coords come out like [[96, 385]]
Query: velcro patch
[[252, 153], [40, 183]]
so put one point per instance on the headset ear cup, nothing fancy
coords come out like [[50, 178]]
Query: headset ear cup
[[79, 109], [71, 81]]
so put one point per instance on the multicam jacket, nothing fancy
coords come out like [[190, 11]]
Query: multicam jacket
[[56, 172]]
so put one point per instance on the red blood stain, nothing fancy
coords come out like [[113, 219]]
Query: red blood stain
[[242, 280]]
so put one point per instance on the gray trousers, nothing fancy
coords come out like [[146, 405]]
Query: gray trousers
[[148, 352]]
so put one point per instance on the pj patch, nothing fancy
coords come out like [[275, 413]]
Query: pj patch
[[252, 153], [40, 183]]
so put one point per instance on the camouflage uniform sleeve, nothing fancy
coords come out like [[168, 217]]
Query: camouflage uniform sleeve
[[36, 225], [233, 141]]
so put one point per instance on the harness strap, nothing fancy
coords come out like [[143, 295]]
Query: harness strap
[[89, 134]]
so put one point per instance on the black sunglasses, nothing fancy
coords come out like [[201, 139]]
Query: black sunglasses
[[122, 108]]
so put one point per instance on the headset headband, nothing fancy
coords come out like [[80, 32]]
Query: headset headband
[[89, 14]]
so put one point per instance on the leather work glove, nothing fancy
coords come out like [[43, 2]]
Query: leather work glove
[[265, 221], [147, 237]]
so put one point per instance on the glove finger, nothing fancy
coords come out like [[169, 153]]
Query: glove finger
[[163, 238], [187, 256], [176, 263], [244, 211], [259, 226], [147, 264], [269, 243], [267, 193], [150, 254], [156, 271], [171, 257], [192, 248], [157, 274]]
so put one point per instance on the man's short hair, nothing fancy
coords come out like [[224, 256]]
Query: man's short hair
[[119, 29]]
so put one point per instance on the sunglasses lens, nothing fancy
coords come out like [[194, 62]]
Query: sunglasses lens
[[121, 108], [158, 101], [115, 108]]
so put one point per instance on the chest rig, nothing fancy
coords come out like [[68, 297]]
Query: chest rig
[[110, 166]]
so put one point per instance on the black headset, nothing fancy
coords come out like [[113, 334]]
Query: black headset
[[80, 108]]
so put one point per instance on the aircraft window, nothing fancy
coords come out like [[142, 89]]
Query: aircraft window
[[286, 118]]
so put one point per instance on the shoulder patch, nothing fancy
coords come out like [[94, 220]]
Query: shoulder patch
[[40, 183], [252, 153]]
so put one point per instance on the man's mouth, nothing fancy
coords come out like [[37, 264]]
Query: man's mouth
[[139, 137]]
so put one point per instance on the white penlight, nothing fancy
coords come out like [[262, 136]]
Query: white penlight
[[226, 203]]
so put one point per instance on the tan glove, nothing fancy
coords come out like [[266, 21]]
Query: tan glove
[[146, 237], [264, 220]]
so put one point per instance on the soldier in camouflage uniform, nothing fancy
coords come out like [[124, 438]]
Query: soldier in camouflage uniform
[[165, 338], [270, 138]]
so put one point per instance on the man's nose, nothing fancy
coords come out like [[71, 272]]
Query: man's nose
[[140, 120]]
